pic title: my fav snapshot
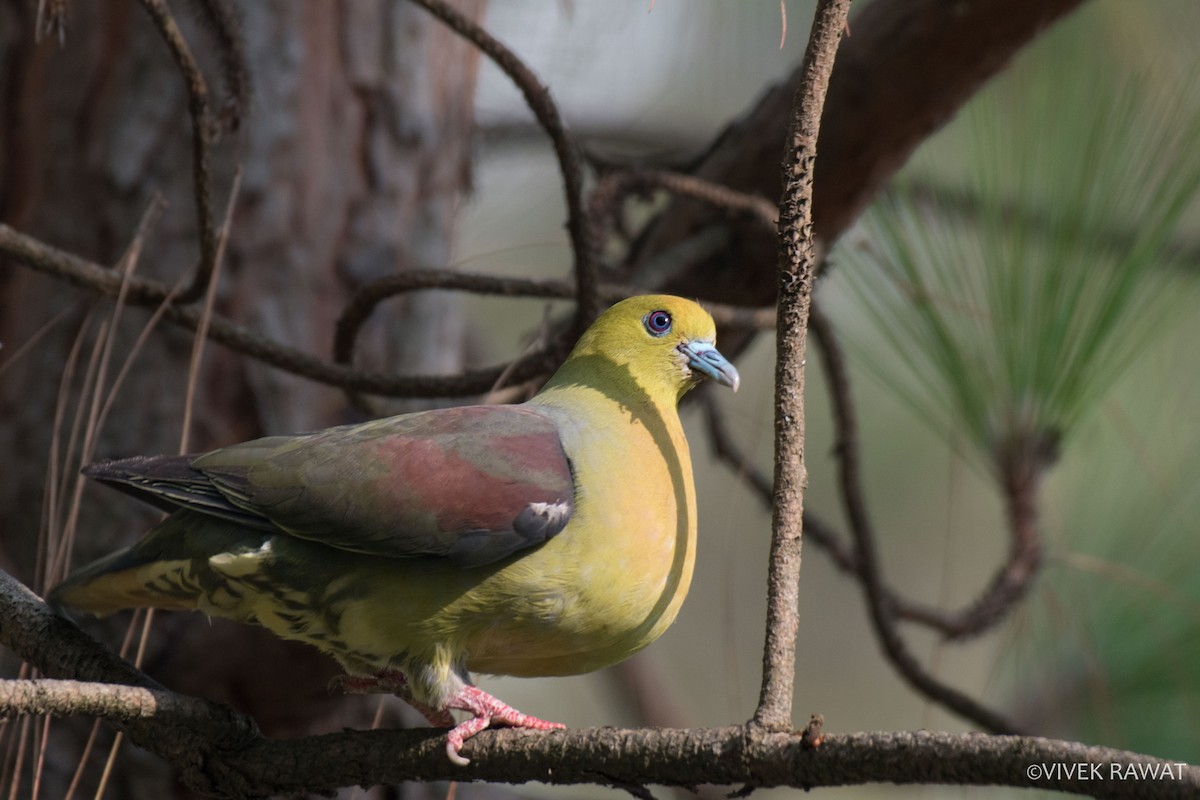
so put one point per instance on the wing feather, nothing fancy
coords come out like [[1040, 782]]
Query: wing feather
[[473, 484]]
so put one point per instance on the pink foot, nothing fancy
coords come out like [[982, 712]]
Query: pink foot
[[487, 711]]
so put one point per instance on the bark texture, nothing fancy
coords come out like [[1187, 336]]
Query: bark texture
[[356, 156]]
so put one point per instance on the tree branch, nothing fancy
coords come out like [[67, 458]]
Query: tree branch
[[882, 611], [202, 134], [816, 529], [935, 56], [566, 150], [615, 183], [152, 294], [221, 22], [221, 753], [797, 269], [108, 701], [688, 757]]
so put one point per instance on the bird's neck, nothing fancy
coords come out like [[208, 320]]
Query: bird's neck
[[623, 383], [587, 407]]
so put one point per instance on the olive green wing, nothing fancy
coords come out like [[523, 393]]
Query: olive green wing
[[473, 484]]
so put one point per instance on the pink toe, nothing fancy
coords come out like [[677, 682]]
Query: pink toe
[[487, 710]]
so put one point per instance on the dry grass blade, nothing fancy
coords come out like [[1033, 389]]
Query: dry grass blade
[[22, 740], [94, 383], [29, 344], [185, 426], [206, 316], [58, 540], [88, 747]]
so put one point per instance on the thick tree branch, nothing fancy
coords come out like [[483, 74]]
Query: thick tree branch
[[797, 271], [689, 757], [180, 729], [934, 58], [221, 753], [108, 701]]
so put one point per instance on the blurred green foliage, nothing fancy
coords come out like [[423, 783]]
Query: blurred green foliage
[[1024, 281]]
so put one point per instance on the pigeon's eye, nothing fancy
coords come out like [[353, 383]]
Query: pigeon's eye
[[657, 322]]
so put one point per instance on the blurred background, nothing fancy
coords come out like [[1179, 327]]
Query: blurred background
[[1107, 647], [1085, 151]]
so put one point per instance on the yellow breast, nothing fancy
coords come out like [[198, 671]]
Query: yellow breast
[[614, 579]]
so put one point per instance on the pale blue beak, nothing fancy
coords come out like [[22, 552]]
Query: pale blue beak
[[706, 361]]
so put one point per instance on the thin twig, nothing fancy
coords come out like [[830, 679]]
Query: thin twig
[[370, 295], [1012, 581], [725, 448], [820, 532], [797, 268], [81, 764], [93, 396], [614, 184], [22, 742], [817, 530], [1006, 589], [727, 451], [56, 482], [882, 614], [220, 20], [566, 150], [149, 293], [61, 540], [28, 345], [152, 294], [202, 132]]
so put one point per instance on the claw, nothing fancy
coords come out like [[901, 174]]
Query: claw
[[487, 710]]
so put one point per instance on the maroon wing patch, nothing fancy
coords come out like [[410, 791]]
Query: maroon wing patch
[[475, 484]]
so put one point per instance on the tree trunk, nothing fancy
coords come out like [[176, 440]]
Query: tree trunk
[[355, 152]]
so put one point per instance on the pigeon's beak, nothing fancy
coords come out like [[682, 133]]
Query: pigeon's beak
[[706, 361]]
